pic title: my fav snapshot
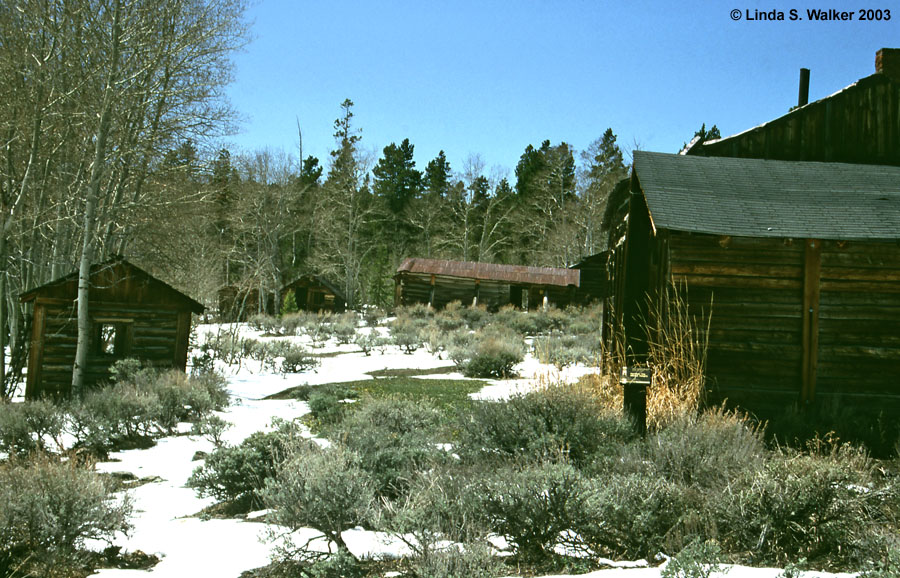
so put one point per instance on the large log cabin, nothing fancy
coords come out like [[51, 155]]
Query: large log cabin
[[795, 264]]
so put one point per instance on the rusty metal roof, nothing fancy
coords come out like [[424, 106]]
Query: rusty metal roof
[[492, 272]]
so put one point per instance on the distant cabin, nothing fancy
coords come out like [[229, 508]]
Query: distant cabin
[[438, 282], [796, 265], [133, 314], [315, 293], [594, 283]]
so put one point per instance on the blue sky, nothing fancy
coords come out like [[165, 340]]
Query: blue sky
[[491, 77]]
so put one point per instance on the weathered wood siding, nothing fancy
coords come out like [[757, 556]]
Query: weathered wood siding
[[860, 124], [757, 292], [753, 289], [438, 290], [412, 289], [155, 336], [859, 324]]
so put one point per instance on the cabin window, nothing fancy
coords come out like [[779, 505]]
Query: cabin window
[[112, 338], [106, 345]]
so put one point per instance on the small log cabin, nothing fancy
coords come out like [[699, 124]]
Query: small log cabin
[[133, 314], [438, 282], [796, 266], [315, 293]]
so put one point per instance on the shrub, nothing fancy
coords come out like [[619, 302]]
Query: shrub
[[886, 567], [563, 350], [225, 345], [699, 559], [472, 560], [114, 414], [341, 564], [292, 323], [373, 315], [405, 333], [392, 438], [179, 399], [326, 489], [494, 354], [816, 505], [48, 509], [708, 450], [367, 341], [212, 427], [297, 360], [267, 324], [344, 327], [450, 318], [416, 311], [326, 407], [30, 426], [236, 473], [476, 317], [634, 515], [542, 423], [441, 505], [126, 369], [531, 506], [318, 328]]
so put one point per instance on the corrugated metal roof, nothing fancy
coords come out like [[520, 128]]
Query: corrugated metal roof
[[492, 272], [764, 198]]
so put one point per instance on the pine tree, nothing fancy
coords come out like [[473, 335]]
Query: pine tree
[[289, 304], [396, 180], [437, 178]]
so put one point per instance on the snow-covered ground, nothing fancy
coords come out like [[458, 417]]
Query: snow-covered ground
[[191, 546]]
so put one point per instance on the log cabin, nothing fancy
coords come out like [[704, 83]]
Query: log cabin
[[437, 282], [315, 293], [795, 266], [133, 314]]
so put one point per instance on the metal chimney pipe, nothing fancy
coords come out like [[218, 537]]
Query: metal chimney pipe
[[803, 98]]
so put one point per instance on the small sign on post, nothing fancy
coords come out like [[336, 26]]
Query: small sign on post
[[635, 381]]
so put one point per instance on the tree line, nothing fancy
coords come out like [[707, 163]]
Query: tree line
[[356, 218]]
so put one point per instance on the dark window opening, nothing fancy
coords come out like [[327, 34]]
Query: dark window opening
[[112, 339]]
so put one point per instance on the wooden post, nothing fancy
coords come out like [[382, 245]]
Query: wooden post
[[635, 381], [477, 292], [812, 269], [431, 293]]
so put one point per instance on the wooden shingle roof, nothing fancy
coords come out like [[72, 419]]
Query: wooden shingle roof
[[765, 198], [489, 271]]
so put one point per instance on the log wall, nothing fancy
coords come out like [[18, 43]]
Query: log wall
[[414, 288], [157, 336], [789, 324]]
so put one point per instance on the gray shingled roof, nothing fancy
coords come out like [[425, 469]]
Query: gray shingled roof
[[763, 198]]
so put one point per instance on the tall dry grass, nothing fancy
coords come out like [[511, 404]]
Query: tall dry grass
[[677, 343]]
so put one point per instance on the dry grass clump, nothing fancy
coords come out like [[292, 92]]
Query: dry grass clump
[[677, 344]]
